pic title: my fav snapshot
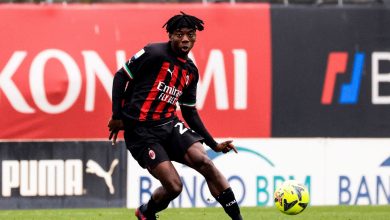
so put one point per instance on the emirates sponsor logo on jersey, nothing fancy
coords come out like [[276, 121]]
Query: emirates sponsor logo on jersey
[[169, 94]]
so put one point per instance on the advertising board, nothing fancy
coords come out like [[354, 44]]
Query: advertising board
[[62, 175]]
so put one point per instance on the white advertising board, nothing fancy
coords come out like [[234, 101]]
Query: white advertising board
[[336, 171]]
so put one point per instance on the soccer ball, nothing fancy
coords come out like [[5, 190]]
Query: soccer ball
[[291, 197]]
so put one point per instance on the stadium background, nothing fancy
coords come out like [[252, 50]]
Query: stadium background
[[300, 86]]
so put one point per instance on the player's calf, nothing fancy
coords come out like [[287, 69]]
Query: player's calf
[[229, 204]]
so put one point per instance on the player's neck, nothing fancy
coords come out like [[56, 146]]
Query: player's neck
[[178, 53]]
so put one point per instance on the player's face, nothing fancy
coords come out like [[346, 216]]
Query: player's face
[[182, 40]]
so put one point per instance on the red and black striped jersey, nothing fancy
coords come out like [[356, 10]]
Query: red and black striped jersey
[[157, 80]]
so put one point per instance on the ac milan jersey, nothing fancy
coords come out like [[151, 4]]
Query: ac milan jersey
[[158, 79]]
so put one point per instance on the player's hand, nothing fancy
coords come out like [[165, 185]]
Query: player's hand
[[114, 126], [225, 147]]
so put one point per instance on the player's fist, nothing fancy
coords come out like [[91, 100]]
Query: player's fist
[[225, 147], [114, 126]]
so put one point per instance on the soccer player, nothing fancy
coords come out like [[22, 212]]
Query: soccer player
[[144, 96]]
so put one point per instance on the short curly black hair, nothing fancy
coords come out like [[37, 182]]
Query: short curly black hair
[[183, 20]]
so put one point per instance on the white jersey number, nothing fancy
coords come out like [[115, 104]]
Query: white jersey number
[[181, 126]]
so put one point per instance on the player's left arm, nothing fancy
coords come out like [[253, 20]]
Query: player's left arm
[[191, 116]]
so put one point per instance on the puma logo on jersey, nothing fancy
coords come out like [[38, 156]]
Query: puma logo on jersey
[[170, 72]]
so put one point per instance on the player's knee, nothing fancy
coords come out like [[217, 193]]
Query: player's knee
[[177, 189], [206, 166], [174, 188]]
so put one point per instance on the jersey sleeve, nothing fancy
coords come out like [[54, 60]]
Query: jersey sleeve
[[188, 98], [118, 88], [132, 66]]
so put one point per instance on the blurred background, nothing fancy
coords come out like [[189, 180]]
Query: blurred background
[[284, 2], [301, 86]]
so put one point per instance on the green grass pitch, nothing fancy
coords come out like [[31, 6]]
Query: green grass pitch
[[254, 213]]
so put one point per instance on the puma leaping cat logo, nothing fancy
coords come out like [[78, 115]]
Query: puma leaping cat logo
[[93, 167]]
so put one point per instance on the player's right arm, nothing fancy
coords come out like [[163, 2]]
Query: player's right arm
[[122, 78], [118, 89]]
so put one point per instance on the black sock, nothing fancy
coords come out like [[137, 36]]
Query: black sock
[[152, 207], [229, 204]]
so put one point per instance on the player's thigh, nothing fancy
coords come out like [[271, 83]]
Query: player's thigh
[[196, 157], [146, 149], [166, 173]]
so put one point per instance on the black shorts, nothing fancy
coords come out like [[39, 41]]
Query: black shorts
[[151, 145]]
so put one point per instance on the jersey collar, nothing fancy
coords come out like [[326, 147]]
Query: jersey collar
[[181, 59]]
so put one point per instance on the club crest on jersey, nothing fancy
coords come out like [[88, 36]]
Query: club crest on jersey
[[152, 154], [187, 79]]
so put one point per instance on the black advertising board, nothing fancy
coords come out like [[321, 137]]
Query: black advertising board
[[330, 71], [62, 175]]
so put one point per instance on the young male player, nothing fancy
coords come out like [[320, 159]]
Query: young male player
[[144, 96]]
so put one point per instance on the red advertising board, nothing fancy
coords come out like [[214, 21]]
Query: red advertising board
[[57, 63]]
